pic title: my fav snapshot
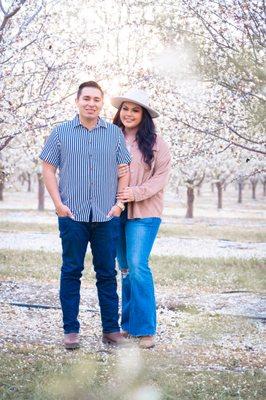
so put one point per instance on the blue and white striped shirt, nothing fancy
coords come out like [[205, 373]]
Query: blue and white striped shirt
[[87, 162]]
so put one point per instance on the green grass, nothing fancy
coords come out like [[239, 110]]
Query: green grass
[[38, 265], [38, 373], [184, 273], [197, 230], [215, 327], [235, 233], [6, 226], [207, 360], [209, 274]]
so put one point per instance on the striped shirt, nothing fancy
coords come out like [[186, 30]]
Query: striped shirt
[[87, 161]]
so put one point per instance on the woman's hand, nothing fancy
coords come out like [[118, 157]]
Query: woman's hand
[[114, 212], [122, 170], [126, 195]]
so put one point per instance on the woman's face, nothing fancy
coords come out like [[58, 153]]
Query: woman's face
[[131, 114]]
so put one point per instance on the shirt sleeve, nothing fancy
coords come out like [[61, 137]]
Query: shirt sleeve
[[160, 177], [51, 150], [122, 154]]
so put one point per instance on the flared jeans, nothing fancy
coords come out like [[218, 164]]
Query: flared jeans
[[133, 250]]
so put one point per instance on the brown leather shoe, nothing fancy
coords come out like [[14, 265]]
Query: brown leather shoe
[[146, 342], [71, 341], [114, 338]]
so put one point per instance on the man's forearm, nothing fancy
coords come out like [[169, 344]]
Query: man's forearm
[[51, 184], [123, 182]]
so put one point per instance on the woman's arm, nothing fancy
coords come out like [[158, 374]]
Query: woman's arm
[[153, 185]]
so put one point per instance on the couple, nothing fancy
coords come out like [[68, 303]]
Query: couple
[[99, 199]]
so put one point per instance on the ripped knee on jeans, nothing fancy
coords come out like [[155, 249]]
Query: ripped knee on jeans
[[124, 272]]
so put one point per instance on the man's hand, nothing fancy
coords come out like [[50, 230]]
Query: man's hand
[[63, 211], [114, 212], [122, 170], [126, 195]]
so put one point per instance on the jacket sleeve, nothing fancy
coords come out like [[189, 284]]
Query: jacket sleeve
[[160, 177]]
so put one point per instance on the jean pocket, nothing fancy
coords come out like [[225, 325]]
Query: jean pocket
[[63, 225]]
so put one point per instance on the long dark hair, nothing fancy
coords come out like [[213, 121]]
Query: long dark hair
[[145, 136]]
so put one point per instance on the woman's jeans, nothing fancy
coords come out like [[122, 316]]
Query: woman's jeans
[[102, 236], [138, 300]]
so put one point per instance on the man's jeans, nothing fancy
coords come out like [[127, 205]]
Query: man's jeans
[[102, 236], [133, 250]]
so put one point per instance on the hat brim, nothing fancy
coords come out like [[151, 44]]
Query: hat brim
[[117, 101]]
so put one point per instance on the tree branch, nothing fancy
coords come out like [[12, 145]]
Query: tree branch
[[243, 137], [7, 16], [208, 132], [2, 8]]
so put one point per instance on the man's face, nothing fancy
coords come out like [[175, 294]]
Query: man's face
[[90, 103]]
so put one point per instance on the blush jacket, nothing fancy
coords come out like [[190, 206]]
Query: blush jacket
[[148, 183]]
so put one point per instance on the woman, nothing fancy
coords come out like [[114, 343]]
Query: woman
[[149, 171]]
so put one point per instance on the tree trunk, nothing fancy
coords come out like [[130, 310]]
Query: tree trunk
[[240, 190], [29, 182], [190, 202], [1, 190], [220, 195], [2, 182], [199, 190], [41, 192], [253, 187], [212, 187]]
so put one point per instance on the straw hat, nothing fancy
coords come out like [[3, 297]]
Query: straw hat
[[135, 96]]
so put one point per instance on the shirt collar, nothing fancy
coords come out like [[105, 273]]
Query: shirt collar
[[101, 122]]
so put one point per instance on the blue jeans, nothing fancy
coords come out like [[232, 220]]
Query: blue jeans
[[138, 300], [75, 236]]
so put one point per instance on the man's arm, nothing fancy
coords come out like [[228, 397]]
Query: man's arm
[[122, 169], [122, 158], [123, 182], [51, 185]]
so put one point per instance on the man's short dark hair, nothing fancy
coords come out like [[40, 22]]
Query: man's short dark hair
[[89, 84]]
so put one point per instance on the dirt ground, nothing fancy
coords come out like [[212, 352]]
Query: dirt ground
[[211, 317]]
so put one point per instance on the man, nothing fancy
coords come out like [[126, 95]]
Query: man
[[87, 151]]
